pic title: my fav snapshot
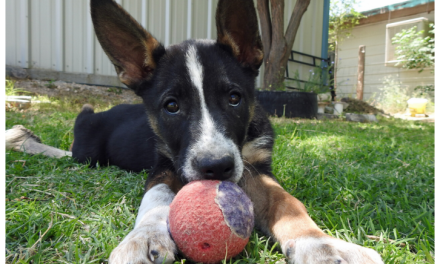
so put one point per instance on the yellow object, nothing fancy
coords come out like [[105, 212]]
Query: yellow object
[[417, 106]]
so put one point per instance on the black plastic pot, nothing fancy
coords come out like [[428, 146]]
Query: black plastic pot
[[289, 104]]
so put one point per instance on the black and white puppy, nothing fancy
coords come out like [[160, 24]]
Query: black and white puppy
[[199, 120]]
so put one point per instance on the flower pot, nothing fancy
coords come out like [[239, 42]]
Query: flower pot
[[321, 107], [324, 97], [339, 107], [288, 104], [417, 106]]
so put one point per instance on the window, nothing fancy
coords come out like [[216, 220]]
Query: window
[[394, 28]]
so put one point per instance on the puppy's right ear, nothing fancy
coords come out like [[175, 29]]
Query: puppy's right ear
[[133, 51], [237, 27]]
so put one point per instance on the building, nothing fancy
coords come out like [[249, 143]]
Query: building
[[375, 32], [54, 39]]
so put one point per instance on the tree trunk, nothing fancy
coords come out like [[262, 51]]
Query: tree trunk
[[276, 44]]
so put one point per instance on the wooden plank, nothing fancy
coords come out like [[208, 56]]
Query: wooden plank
[[360, 73]]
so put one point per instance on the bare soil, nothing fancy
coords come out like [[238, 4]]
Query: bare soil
[[360, 107], [60, 89], [83, 93], [111, 94]]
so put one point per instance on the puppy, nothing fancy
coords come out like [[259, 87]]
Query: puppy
[[199, 120]]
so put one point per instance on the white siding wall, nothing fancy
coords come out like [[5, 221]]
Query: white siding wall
[[58, 36], [373, 37]]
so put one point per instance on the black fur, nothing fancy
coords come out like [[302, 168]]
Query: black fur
[[199, 120], [120, 136], [123, 136]]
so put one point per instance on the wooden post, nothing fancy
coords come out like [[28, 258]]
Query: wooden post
[[361, 69]]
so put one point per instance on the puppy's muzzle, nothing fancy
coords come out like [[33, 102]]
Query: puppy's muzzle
[[212, 168]]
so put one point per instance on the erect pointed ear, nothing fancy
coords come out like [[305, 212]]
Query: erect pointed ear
[[133, 51], [237, 27]]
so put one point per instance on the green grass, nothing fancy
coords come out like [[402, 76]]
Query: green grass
[[11, 90], [364, 179], [356, 180]]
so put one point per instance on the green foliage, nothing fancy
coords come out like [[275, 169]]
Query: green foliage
[[51, 84], [415, 51], [343, 18], [115, 90], [318, 81], [11, 90], [394, 95], [425, 90]]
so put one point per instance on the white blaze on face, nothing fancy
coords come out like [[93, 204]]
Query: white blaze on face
[[210, 142]]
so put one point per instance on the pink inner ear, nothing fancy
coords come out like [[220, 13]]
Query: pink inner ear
[[127, 50], [249, 53], [125, 41], [130, 55]]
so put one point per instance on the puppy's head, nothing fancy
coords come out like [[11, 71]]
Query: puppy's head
[[199, 95]]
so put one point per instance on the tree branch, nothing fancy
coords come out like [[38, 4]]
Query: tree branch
[[295, 20]]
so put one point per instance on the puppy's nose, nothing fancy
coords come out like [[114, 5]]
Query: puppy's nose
[[216, 168]]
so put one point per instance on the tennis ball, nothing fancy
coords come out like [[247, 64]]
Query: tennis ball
[[211, 220]]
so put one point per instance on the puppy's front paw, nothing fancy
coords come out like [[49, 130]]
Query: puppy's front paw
[[145, 245], [310, 250]]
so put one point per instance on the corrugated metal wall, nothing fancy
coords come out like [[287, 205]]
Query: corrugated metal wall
[[58, 36], [309, 36]]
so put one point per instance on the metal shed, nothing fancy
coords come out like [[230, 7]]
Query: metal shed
[[54, 39]]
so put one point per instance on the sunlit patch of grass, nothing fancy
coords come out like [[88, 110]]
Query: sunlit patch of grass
[[359, 179], [11, 90]]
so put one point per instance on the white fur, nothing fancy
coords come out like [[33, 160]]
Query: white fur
[[328, 250], [149, 241], [211, 141], [262, 141], [21, 139], [157, 197]]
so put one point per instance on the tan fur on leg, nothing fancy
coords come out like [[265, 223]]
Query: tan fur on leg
[[21, 139], [285, 218], [276, 211]]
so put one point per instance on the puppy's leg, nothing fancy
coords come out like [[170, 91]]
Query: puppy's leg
[[150, 241], [286, 219], [21, 139]]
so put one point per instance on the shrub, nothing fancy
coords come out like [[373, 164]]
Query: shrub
[[394, 96]]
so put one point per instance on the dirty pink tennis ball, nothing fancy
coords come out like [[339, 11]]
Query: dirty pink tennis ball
[[211, 220]]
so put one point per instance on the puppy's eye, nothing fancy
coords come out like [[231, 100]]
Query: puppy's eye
[[172, 107], [234, 99]]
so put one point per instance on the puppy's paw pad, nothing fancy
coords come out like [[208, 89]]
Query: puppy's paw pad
[[328, 250], [141, 248]]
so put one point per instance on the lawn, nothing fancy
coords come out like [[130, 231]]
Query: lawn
[[368, 183]]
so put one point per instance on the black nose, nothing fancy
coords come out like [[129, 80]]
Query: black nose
[[216, 169]]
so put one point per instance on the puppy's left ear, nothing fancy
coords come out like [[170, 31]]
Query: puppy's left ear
[[133, 51], [237, 27]]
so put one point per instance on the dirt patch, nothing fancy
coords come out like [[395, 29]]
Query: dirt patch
[[83, 93], [360, 107], [60, 89]]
